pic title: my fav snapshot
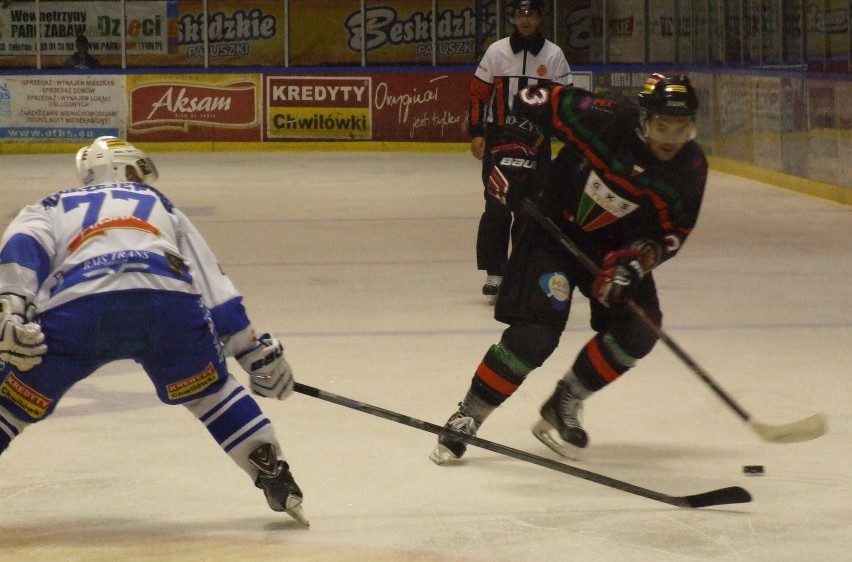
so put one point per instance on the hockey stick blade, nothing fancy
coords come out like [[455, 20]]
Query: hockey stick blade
[[793, 432], [721, 496]]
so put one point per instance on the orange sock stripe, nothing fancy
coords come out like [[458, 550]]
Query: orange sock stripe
[[600, 363], [495, 381]]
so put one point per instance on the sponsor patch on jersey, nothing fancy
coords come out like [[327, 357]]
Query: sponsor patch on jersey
[[176, 263], [192, 385], [32, 402], [599, 206], [600, 104], [557, 288]]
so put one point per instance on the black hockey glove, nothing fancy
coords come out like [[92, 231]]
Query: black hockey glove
[[514, 171], [617, 280]]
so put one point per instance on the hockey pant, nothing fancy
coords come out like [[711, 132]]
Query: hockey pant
[[169, 334], [535, 301]]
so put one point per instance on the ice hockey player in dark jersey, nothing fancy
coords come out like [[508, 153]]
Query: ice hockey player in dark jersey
[[626, 188]]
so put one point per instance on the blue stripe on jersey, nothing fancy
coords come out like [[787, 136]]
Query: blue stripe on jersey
[[25, 251], [230, 317], [248, 433], [105, 265], [233, 419]]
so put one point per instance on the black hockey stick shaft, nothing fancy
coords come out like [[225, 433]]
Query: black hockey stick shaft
[[722, 496], [792, 432]]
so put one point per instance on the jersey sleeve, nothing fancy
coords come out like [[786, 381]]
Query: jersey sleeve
[[683, 212], [481, 88], [480, 96], [562, 70], [216, 289], [26, 252]]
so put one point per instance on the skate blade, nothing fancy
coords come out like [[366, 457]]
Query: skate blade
[[441, 455], [294, 509], [548, 435]]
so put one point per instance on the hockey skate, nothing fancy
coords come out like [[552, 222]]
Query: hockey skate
[[281, 491], [448, 448], [559, 427], [492, 287]]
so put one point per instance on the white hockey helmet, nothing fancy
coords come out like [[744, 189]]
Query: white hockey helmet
[[110, 159]]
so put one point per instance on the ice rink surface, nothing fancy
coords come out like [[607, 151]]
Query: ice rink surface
[[363, 265]]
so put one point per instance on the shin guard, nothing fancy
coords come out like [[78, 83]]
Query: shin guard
[[601, 361]]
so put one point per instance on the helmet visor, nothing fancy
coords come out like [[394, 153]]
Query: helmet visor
[[669, 129]]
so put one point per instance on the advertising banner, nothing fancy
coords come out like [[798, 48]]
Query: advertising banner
[[627, 84], [733, 137], [823, 145], [239, 33], [579, 30], [59, 24], [844, 126], [626, 31], [421, 106], [194, 107], [766, 122], [318, 108], [703, 84], [827, 26], [662, 27], [332, 31], [392, 106], [46, 108], [794, 150]]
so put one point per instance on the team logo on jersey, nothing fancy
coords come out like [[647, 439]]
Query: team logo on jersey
[[192, 385], [28, 399], [541, 71], [599, 206], [101, 228], [557, 288]]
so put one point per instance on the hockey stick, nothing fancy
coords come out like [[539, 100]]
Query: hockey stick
[[722, 496], [793, 432]]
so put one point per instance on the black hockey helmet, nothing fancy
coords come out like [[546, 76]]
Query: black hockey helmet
[[668, 95], [523, 7]]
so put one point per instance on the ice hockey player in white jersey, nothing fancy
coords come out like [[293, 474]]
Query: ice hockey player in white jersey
[[113, 270]]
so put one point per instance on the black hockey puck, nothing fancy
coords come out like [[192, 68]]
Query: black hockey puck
[[753, 470]]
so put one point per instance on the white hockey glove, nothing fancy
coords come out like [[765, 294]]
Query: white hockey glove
[[269, 373], [21, 344], [18, 305]]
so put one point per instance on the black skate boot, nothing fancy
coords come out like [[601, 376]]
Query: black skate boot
[[281, 491], [448, 448], [559, 427]]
